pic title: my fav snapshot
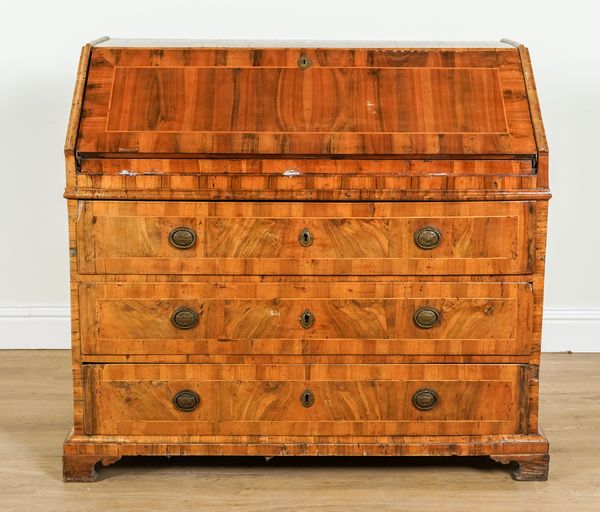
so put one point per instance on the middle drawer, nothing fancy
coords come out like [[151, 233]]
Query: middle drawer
[[335, 318]]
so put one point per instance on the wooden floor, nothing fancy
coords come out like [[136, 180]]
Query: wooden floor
[[35, 415]]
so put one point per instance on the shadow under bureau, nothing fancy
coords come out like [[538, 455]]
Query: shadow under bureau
[[306, 250]]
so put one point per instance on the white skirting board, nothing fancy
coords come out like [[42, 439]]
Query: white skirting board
[[571, 329], [34, 327], [47, 327]]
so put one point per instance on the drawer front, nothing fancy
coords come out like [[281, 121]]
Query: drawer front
[[306, 318], [310, 400], [128, 237]]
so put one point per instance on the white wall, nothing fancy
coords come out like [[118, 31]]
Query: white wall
[[40, 44]]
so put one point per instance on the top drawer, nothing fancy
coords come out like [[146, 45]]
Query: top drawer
[[264, 238]]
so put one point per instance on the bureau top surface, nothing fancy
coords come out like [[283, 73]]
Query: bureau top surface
[[294, 43], [302, 99]]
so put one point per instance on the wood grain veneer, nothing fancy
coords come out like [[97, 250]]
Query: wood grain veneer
[[258, 101], [126, 399], [350, 318], [349, 238]]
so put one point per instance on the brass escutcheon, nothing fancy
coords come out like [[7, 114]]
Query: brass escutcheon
[[305, 237], [307, 319], [428, 237], [186, 400], [426, 317], [304, 62], [184, 318], [307, 398], [425, 399], [182, 237]]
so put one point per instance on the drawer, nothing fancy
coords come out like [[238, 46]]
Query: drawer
[[263, 238], [390, 399], [376, 317]]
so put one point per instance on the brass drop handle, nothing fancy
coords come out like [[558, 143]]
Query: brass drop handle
[[305, 238], [307, 319], [184, 318], [186, 400], [426, 317], [428, 237], [425, 399], [307, 398], [182, 237]]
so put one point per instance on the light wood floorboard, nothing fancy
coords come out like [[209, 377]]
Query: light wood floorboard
[[35, 415]]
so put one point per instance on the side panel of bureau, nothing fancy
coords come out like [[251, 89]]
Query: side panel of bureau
[[253, 238], [364, 317], [126, 399]]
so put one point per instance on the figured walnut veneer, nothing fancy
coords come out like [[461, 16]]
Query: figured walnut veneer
[[349, 318], [248, 101], [349, 238], [265, 399], [306, 251]]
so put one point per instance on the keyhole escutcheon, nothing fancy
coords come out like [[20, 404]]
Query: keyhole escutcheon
[[305, 237], [307, 319], [307, 398], [304, 62]]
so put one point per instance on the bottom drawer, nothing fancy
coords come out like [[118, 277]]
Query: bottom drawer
[[304, 400]]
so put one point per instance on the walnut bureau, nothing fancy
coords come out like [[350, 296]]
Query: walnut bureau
[[308, 249]]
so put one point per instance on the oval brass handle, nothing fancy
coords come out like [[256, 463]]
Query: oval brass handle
[[186, 400], [184, 318], [425, 399], [426, 317], [182, 237], [307, 398], [428, 237], [305, 237], [307, 319]]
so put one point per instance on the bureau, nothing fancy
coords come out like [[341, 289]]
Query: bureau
[[306, 250]]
